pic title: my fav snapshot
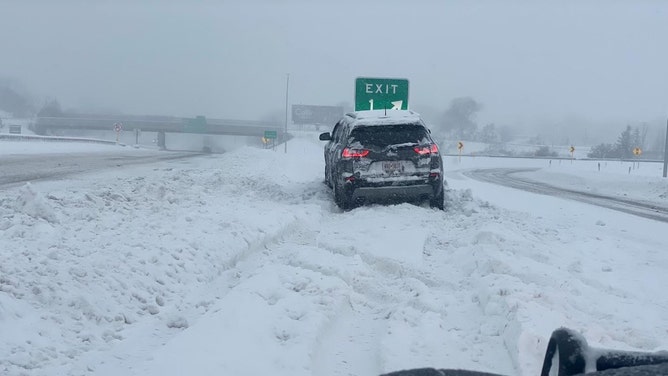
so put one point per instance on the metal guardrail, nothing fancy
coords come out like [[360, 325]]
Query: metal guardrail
[[553, 158]]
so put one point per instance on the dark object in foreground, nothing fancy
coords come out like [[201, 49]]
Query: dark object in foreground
[[569, 354], [439, 372]]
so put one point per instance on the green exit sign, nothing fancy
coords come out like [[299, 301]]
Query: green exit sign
[[270, 134], [196, 125], [381, 94]]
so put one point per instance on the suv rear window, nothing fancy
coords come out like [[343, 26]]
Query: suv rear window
[[391, 134]]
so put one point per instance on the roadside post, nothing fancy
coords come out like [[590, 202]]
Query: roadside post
[[637, 152], [665, 154], [572, 149], [460, 146], [285, 131], [118, 127]]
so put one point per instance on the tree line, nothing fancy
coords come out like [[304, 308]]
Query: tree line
[[459, 122], [628, 140]]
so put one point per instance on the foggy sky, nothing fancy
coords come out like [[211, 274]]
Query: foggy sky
[[526, 61]]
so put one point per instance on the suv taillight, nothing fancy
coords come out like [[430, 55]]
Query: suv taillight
[[425, 150], [354, 153]]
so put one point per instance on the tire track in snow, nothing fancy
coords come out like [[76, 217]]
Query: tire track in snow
[[349, 345], [412, 317]]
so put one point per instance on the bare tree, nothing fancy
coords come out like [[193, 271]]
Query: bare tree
[[13, 99], [459, 119], [51, 109]]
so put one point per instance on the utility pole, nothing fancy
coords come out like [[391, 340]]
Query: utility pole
[[285, 132], [665, 154]]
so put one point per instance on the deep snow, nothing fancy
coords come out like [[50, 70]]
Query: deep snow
[[241, 264]]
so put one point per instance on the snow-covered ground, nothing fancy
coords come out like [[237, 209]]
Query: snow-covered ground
[[240, 264], [40, 147]]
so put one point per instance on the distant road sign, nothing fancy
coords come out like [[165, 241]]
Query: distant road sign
[[637, 151], [460, 145], [15, 129], [316, 115], [381, 93], [118, 127], [270, 134], [572, 149]]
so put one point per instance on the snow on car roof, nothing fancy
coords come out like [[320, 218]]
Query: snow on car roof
[[379, 117]]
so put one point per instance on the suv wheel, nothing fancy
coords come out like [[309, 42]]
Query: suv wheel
[[438, 201], [342, 199], [328, 179]]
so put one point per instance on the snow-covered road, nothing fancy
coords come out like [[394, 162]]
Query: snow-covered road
[[508, 177], [19, 170], [240, 264]]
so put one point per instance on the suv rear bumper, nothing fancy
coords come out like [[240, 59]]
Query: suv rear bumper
[[394, 192]]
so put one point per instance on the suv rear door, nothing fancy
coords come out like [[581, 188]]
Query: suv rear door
[[395, 150]]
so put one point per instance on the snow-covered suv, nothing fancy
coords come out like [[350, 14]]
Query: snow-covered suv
[[383, 156]]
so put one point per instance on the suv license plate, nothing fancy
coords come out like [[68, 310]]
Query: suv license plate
[[392, 167]]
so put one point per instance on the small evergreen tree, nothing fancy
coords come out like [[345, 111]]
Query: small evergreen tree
[[629, 139], [624, 144], [488, 134]]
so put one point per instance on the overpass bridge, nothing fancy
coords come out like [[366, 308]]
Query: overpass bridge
[[159, 124]]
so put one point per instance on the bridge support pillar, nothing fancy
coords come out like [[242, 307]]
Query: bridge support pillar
[[161, 140]]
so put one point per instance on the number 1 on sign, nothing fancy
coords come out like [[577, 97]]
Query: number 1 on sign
[[370, 104]]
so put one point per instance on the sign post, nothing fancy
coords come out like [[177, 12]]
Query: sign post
[[637, 152], [381, 94], [285, 132], [270, 135], [118, 127], [460, 146]]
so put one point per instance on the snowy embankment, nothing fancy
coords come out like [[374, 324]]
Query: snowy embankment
[[241, 264]]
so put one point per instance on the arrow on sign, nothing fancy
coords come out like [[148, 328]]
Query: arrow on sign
[[396, 105]]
